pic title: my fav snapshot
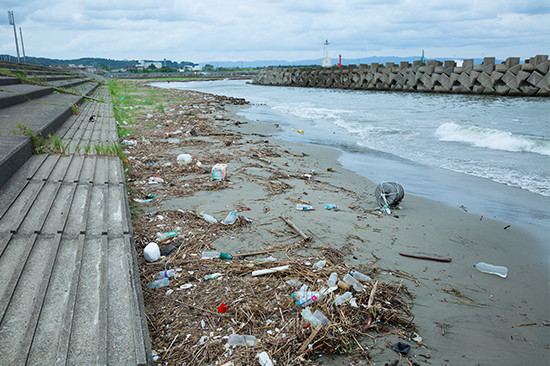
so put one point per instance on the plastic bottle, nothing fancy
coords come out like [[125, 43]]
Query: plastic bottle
[[209, 218], [491, 269], [310, 297], [264, 360], [166, 274], [343, 298], [353, 282], [226, 256], [158, 283], [164, 236], [300, 293], [212, 276], [210, 255], [230, 218], [241, 340], [329, 206], [303, 207], [333, 279], [360, 276]]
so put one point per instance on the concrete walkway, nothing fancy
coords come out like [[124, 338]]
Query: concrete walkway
[[69, 285]]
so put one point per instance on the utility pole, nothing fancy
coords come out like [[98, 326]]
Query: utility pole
[[22, 46], [12, 22]]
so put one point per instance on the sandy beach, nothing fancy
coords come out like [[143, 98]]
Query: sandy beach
[[463, 317]]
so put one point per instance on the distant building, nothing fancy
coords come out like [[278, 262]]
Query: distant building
[[142, 64], [191, 68]]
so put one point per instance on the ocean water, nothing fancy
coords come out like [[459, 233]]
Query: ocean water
[[487, 154]]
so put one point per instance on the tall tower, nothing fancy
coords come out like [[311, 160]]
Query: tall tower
[[326, 59]]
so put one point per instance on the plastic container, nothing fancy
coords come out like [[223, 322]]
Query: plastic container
[[303, 207], [230, 219], [360, 276], [320, 264], [301, 293], [491, 269], [219, 172], [168, 235], [270, 270], [209, 218], [210, 255], [212, 276], [333, 279], [264, 360], [353, 282], [158, 283], [309, 298], [347, 296], [314, 319], [329, 206], [166, 274], [241, 340]]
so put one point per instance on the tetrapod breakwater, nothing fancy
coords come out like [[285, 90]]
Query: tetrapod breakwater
[[512, 78]]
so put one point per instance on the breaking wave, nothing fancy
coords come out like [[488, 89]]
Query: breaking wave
[[492, 139]]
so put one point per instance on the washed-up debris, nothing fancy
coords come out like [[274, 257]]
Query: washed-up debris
[[430, 257], [151, 252]]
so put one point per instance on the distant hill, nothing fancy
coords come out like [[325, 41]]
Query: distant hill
[[93, 61], [318, 62]]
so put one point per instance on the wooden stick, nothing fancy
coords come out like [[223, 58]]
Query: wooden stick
[[276, 249], [310, 338], [371, 297], [433, 257], [291, 224], [525, 324]]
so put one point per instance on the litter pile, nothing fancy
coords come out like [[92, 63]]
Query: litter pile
[[215, 308]]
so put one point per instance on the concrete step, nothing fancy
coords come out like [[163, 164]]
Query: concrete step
[[21, 93], [8, 80], [69, 285]]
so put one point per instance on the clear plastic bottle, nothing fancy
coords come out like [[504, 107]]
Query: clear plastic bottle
[[210, 255], [343, 298], [212, 276], [303, 207], [209, 218], [353, 282], [166, 274], [164, 236], [158, 283], [491, 269], [230, 218], [360, 276], [333, 279]]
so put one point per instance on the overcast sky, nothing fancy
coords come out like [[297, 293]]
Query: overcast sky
[[215, 30]]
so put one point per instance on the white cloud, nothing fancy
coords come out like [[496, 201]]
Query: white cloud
[[271, 29]]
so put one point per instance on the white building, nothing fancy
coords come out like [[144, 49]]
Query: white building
[[326, 59], [142, 64]]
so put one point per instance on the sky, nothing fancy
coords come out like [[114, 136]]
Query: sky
[[221, 30]]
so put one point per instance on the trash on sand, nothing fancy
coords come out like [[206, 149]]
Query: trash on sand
[[314, 319], [209, 218], [299, 131], [430, 257], [292, 225], [264, 360], [213, 254], [320, 264], [360, 276], [389, 194], [219, 172], [330, 206], [230, 218], [333, 279], [184, 159], [166, 274], [155, 180], [241, 340], [347, 296], [167, 250], [401, 347], [159, 283], [165, 236], [138, 200], [212, 276], [151, 252], [222, 308], [353, 282], [303, 207], [491, 269], [270, 270]]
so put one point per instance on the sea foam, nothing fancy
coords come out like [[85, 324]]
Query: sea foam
[[492, 138]]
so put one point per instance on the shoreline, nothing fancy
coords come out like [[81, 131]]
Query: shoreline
[[463, 316], [440, 219]]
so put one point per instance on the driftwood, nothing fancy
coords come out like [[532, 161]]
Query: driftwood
[[430, 257], [292, 225]]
